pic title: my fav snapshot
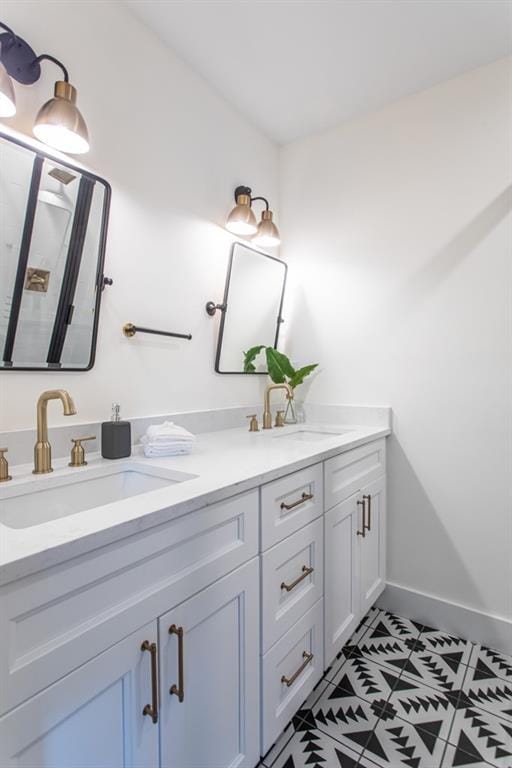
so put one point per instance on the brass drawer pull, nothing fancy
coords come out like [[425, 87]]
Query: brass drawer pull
[[305, 497], [152, 709], [368, 498], [305, 573], [363, 532], [290, 680], [178, 690]]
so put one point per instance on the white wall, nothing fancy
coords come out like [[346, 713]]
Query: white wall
[[173, 151], [397, 231]]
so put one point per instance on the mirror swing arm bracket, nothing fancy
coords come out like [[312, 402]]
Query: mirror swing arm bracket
[[211, 308]]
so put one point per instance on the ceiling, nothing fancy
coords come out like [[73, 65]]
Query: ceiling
[[294, 67]]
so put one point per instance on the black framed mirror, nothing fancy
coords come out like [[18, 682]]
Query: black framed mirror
[[53, 229], [251, 309]]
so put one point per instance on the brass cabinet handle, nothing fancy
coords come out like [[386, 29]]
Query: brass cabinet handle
[[368, 498], [290, 680], [305, 573], [305, 497], [363, 532], [178, 690], [152, 709]]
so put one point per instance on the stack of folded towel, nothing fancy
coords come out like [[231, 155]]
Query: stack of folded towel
[[167, 439]]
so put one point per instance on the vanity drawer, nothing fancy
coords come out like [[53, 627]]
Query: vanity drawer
[[347, 473], [290, 671], [292, 580], [56, 620], [290, 503]]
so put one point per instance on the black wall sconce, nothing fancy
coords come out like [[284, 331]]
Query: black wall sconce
[[59, 122], [242, 221]]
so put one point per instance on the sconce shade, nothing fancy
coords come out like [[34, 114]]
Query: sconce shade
[[60, 124], [7, 97], [267, 234], [241, 220]]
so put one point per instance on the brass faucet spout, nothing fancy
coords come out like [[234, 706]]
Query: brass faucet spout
[[267, 416], [42, 449]]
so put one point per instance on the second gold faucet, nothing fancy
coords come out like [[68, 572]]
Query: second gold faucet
[[267, 416]]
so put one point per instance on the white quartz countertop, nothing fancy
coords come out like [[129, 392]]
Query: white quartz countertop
[[223, 463]]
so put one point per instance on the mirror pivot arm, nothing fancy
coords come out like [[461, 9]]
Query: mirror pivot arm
[[211, 308]]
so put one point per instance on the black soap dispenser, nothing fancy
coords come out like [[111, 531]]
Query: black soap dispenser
[[116, 438]]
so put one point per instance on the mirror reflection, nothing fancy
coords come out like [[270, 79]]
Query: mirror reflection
[[253, 301], [52, 237]]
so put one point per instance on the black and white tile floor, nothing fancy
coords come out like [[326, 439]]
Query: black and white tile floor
[[404, 694]]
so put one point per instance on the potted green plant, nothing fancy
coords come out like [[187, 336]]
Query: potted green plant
[[281, 371]]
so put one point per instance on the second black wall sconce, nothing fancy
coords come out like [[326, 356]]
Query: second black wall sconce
[[242, 221]]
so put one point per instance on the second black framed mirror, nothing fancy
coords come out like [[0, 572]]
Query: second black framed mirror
[[251, 308]]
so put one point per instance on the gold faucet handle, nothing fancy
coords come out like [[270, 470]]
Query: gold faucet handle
[[279, 419], [253, 424], [4, 466], [78, 451]]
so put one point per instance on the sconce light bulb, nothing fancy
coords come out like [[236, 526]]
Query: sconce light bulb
[[267, 234], [241, 220], [7, 96], [60, 124]]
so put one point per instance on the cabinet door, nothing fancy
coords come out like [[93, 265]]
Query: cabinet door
[[373, 546], [92, 718], [216, 724], [341, 581]]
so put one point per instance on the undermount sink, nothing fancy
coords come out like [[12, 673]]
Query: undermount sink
[[43, 499], [311, 435]]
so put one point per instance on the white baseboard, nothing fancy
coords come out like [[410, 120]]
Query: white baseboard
[[492, 631]]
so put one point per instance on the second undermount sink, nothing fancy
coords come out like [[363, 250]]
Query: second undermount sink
[[311, 435], [43, 499]]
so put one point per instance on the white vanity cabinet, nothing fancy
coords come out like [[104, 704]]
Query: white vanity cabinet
[[372, 547], [77, 614], [92, 718], [355, 540], [101, 715], [342, 575], [209, 649], [292, 571], [193, 643]]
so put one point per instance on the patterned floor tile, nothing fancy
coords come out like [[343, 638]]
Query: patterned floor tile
[[444, 672], [484, 736], [315, 694], [343, 716], [315, 749], [403, 744], [492, 694], [351, 646], [386, 624], [444, 644], [363, 678], [489, 663], [455, 756], [425, 708], [404, 694], [389, 652]]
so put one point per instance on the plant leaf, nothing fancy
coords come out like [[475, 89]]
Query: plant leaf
[[279, 366], [250, 356], [299, 376]]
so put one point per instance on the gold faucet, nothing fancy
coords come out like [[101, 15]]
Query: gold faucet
[[43, 449], [267, 416]]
